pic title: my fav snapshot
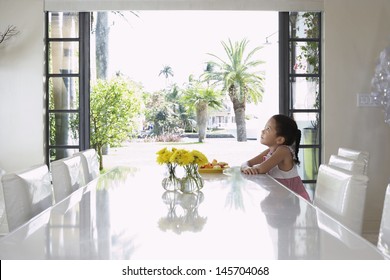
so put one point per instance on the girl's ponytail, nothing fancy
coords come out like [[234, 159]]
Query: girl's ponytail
[[297, 142]]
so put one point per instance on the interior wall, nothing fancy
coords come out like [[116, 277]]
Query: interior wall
[[21, 85], [355, 32]]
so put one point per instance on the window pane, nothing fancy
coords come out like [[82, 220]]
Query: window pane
[[304, 25], [59, 153], [308, 169], [64, 57], [308, 124], [64, 93], [63, 25], [64, 128], [304, 93], [304, 57]]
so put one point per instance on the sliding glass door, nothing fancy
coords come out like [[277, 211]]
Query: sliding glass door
[[67, 83], [300, 84]]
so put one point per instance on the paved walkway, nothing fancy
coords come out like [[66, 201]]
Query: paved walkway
[[139, 153]]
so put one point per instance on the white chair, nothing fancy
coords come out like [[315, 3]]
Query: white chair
[[3, 217], [355, 155], [67, 175], [26, 194], [355, 166], [90, 163], [341, 194], [384, 230]]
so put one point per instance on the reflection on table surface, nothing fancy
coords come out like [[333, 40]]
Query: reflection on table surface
[[126, 214]]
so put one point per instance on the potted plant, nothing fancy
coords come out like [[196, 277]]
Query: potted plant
[[308, 60]]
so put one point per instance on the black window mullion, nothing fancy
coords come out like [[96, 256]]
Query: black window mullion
[[284, 99], [84, 90], [46, 86]]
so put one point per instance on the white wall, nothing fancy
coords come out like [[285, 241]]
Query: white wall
[[355, 31], [21, 85]]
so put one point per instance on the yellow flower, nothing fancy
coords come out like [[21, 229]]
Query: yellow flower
[[163, 156], [199, 158], [182, 157]]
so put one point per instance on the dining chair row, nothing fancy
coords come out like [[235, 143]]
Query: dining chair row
[[341, 192], [342, 186], [26, 194], [350, 159], [29, 192]]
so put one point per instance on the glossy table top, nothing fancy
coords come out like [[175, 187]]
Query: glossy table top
[[126, 214]]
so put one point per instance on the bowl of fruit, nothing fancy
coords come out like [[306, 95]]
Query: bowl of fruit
[[213, 167]]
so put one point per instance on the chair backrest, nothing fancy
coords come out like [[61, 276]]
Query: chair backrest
[[342, 195], [355, 166], [384, 230], [3, 216], [355, 155], [90, 163], [67, 175], [26, 194]]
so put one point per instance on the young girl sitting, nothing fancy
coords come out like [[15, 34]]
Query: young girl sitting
[[282, 136]]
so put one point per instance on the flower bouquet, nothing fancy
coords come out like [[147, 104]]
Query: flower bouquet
[[189, 160], [171, 182]]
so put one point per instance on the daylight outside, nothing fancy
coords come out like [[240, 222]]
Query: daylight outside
[[169, 59]]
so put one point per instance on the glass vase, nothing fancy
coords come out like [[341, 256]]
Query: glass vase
[[171, 182], [192, 181]]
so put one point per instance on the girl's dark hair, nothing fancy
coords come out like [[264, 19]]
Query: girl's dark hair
[[288, 128]]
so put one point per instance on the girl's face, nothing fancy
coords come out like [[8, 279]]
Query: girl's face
[[268, 134]]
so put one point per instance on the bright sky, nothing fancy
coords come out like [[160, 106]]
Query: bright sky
[[143, 45]]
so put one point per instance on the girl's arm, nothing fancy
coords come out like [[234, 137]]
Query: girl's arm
[[256, 160], [280, 155]]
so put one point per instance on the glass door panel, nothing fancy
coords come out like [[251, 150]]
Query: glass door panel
[[63, 82], [303, 85]]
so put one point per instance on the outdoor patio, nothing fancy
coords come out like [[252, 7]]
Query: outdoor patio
[[140, 153]]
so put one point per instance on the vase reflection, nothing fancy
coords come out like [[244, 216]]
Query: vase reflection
[[182, 212]]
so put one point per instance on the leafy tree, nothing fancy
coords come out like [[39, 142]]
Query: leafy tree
[[161, 110], [240, 78], [199, 98], [115, 108], [184, 117]]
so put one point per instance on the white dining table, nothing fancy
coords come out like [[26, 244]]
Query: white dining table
[[127, 214]]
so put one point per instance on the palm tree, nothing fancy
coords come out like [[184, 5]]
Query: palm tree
[[200, 98], [166, 72], [240, 78]]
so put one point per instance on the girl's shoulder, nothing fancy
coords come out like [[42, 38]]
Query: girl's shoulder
[[285, 148]]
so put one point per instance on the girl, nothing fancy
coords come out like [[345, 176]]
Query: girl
[[282, 136]]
